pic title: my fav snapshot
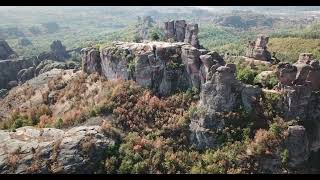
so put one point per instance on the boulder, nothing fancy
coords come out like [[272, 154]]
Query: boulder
[[78, 150], [48, 65], [286, 73], [25, 74], [305, 58]]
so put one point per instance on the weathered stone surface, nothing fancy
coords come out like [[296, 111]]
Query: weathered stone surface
[[180, 26], [286, 73], [169, 30], [220, 93], [298, 146], [49, 150], [48, 65], [10, 68], [180, 31], [5, 51], [208, 60], [163, 67], [191, 35], [91, 60], [296, 99], [258, 49], [25, 74]]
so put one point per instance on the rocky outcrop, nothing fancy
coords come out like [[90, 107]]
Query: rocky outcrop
[[5, 51], [299, 86], [298, 146], [296, 82], [191, 35], [48, 65], [9, 69], [161, 66], [258, 49], [31, 150], [91, 60], [220, 93], [180, 31], [59, 50], [25, 74]]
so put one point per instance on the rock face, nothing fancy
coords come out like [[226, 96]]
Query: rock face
[[31, 150], [258, 49], [220, 93], [161, 66], [26, 74], [180, 31], [298, 146], [92, 60], [5, 51], [9, 69], [48, 65], [298, 84], [191, 35]]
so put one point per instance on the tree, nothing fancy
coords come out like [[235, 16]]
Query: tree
[[155, 36]]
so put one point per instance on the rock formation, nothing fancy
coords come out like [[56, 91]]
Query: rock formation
[[180, 31], [9, 69], [297, 144], [78, 150], [161, 66], [59, 50], [92, 61], [26, 74], [258, 49], [5, 51], [221, 93]]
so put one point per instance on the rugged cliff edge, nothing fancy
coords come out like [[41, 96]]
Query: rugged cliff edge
[[161, 66]]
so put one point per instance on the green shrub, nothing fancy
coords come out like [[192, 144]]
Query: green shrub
[[285, 156], [59, 123], [246, 75]]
